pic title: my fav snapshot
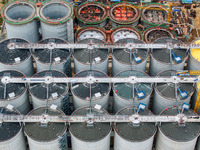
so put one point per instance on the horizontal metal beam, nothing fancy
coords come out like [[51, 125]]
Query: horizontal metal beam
[[91, 45], [91, 80], [180, 118]]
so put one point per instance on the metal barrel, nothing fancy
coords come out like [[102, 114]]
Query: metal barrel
[[90, 137], [15, 94], [174, 136], [19, 17], [164, 93], [153, 33], [99, 91], [125, 13], [127, 59], [55, 59], [125, 32], [129, 136], [123, 92], [89, 32], [56, 92], [15, 59], [154, 14], [92, 13], [163, 59], [98, 58], [11, 134], [45, 136], [57, 20]]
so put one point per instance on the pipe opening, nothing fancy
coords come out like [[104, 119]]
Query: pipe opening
[[55, 11], [19, 11]]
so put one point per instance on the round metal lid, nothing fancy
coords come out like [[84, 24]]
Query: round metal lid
[[43, 55], [56, 90], [123, 55], [10, 55], [133, 133], [124, 90], [91, 12], [179, 133], [167, 90], [45, 133], [13, 90], [82, 90], [8, 130], [83, 55], [90, 133], [163, 55]]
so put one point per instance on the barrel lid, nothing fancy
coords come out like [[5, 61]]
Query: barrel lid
[[123, 55], [167, 90], [8, 129], [82, 90], [45, 133], [195, 52], [163, 55], [13, 56], [98, 55], [124, 90], [56, 90], [90, 133], [13, 90], [135, 133], [58, 55], [179, 133]]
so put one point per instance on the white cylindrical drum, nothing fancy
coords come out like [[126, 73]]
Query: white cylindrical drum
[[11, 133], [129, 136], [161, 59], [127, 59], [123, 92], [15, 94], [19, 17], [99, 91], [94, 136], [57, 20], [97, 57], [173, 136], [55, 59], [164, 93], [56, 91], [48, 136], [15, 59]]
